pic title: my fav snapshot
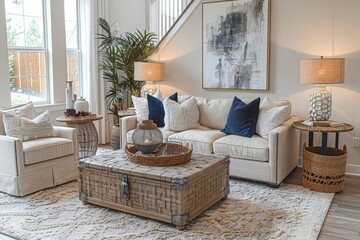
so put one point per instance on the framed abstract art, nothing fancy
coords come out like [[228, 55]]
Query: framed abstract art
[[235, 44]]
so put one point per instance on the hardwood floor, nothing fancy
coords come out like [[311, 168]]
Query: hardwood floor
[[343, 219]]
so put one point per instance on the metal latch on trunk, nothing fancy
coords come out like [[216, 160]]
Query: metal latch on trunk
[[125, 187]]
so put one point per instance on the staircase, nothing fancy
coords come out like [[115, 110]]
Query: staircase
[[164, 15]]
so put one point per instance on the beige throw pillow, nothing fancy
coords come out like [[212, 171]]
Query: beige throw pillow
[[27, 129], [266, 104], [270, 117], [214, 112], [24, 110], [181, 116]]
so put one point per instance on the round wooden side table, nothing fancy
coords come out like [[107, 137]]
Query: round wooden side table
[[87, 135], [324, 166]]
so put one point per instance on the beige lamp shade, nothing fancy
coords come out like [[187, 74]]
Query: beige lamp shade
[[322, 71], [149, 71]]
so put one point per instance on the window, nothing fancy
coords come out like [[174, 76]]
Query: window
[[27, 51], [72, 44]]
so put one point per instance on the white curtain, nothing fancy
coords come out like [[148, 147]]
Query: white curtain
[[92, 82]]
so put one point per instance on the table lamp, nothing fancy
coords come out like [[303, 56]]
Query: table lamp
[[149, 72], [321, 72]]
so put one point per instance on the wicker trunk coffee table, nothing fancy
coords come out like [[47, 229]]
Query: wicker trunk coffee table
[[174, 194]]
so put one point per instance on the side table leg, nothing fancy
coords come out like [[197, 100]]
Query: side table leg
[[311, 139], [324, 143], [337, 140]]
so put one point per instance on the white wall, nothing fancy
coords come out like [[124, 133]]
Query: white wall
[[300, 29], [128, 15]]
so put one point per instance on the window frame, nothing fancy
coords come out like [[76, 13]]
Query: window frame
[[75, 50], [26, 49]]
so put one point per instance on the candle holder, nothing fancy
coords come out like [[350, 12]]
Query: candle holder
[[147, 138]]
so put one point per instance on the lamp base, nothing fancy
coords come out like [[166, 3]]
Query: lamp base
[[148, 88], [320, 104]]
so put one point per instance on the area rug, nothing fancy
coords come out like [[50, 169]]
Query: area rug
[[251, 211]]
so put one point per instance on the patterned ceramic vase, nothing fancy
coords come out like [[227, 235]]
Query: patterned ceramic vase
[[320, 104]]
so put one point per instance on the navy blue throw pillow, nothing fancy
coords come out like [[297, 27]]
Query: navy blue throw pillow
[[242, 118], [156, 109]]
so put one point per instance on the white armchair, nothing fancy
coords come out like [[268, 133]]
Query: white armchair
[[30, 166]]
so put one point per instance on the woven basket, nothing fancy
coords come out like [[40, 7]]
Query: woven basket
[[324, 173], [174, 154]]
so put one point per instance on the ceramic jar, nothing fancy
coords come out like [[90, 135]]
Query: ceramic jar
[[81, 105]]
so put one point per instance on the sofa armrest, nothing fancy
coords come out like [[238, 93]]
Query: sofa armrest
[[127, 124], [11, 155], [68, 133], [284, 144]]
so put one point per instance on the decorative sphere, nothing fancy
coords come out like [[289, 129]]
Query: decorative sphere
[[147, 137]]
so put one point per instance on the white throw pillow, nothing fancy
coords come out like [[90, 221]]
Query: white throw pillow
[[270, 117], [180, 117], [27, 129], [158, 95], [142, 107], [214, 113], [25, 110], [266, 104]]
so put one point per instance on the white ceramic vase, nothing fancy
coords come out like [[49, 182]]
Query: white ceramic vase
[[81, 105]]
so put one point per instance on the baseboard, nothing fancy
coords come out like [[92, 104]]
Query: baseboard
[[300, 162], [353, 170]]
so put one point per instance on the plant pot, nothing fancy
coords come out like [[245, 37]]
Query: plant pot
[[115, 137]]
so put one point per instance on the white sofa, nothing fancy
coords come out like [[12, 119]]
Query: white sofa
[[256, 158]]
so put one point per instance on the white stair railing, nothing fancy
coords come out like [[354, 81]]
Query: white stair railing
[[164, 13]]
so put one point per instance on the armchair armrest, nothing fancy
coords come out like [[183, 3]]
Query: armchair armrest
[[69, 133], [66, 132], [127, 124], [284, 144], [11, 155]]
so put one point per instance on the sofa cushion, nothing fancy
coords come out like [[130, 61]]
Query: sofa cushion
[[242, 118], [44, 149], [215, 107], [28, 129], [165, 134], [254, 148], [181, 116], [156, 109], [199, 140]]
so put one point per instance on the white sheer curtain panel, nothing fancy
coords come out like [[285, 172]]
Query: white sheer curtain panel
[[93, 84]]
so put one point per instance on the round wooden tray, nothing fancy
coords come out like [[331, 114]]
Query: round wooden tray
[[169, 154]]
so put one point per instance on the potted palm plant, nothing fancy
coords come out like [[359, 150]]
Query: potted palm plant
[[118, 55]]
